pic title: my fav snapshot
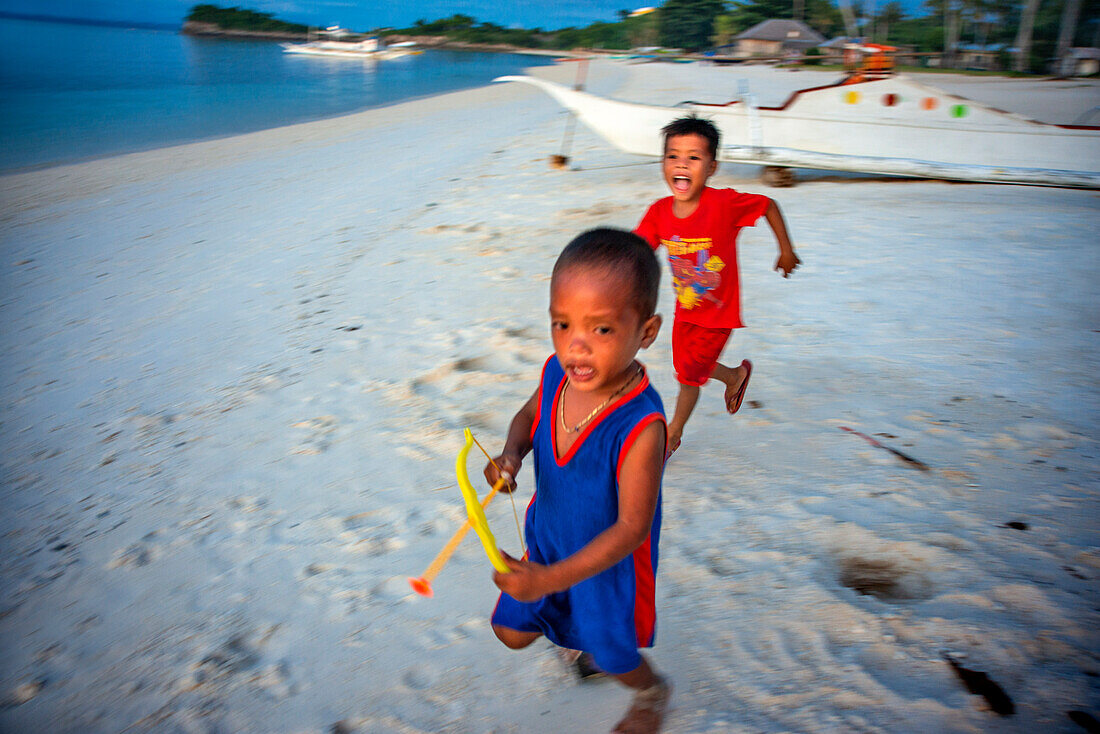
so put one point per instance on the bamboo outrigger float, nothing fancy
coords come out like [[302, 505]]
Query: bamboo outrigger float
[[893, 125]]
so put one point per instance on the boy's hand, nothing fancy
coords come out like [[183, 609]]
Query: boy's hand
[[509, 468], [787, 262], [527, 582]]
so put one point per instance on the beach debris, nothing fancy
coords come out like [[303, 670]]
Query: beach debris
[[980, 684], [779, 177], [22, 693], [917, 463], [1015, 525], [1085, 720]]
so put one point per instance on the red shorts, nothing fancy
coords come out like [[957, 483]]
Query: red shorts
[[695, 351]]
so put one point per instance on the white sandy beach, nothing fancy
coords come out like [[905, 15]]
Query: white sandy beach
[[236, 373]]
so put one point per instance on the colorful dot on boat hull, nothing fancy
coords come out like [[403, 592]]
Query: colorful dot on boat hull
[[852, 97], [959, 110], [929, 103]]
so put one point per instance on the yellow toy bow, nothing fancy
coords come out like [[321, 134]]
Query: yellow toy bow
[[475, 511]]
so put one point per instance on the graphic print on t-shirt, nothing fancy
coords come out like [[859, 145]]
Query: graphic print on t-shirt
[[695, 272]]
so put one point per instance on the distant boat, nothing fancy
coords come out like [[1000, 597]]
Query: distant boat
[[894, 126], [368, 48]]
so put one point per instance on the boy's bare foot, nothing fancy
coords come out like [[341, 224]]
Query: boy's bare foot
[[647, 711], [735, 395], [581, 664]]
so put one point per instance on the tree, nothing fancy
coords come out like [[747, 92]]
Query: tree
[[950, 32], [688, 24], [725, 28], [1065, 37], [242, 19], [1023, 36], [947, 13], [824, 17], [892, 13], [642, 29], [748, 13]]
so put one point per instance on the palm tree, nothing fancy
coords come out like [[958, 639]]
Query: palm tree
[[891, 13], [1065, 37], [950, 32]]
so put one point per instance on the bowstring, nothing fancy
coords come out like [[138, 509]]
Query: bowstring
[[511, 495]]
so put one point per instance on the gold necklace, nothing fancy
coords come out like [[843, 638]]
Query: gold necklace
[[601, 406]]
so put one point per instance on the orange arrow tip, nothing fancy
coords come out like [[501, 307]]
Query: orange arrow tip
[[421, 586]]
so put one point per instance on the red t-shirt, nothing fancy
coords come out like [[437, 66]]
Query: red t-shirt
[[702, 253]]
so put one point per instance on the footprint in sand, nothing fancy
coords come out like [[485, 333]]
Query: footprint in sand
[[887, 570], [393, 589], [133, 556], [600, 210], [493, 382], [376, 531], [884, 578], [240, 661], [318, 435], [419, 678]]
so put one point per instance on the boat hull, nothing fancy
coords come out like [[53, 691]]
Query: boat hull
[[893, 126], [346, 51]]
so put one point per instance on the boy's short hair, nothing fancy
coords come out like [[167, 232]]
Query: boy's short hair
[[620, 252], [693, 125]]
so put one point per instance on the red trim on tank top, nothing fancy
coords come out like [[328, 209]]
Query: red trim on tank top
[[563, 460]]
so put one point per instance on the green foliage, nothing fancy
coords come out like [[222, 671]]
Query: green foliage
[[887, 18], [688, 24], [469, 30], [443, 26], [597, 35], [748, 13], [824, 17], [1048, 24], [725, 28], [242, 19], [698, 24], [813, 57], [464, 29], [923, 34], [821, 15], [642, 30]]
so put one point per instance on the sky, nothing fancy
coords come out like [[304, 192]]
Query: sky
[[354, 14]]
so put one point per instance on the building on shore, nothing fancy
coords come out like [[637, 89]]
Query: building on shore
[[776, 38]]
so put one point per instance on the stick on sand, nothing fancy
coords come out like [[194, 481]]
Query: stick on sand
[[903, 456]]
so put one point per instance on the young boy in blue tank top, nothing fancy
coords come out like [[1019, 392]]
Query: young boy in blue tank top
[[597, 431]]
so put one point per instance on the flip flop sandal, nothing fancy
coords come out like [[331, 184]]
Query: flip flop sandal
[[734, 403], [672, 450]]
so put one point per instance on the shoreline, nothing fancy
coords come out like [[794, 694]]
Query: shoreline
[[1049, 106], [140, 148], [209, 30]]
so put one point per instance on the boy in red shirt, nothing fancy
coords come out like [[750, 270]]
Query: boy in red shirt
[[698, 226]]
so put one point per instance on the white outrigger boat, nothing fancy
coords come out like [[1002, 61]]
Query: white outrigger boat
[[368, 48], [893, 126]]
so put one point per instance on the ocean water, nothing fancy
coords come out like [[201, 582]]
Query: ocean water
[[71, 92]]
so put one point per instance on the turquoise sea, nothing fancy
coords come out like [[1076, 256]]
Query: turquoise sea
[[71, 92]]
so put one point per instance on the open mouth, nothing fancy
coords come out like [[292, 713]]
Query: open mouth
[[581, 374], [681, 183]]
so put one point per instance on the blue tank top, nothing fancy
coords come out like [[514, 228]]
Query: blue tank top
[[576, 499]]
